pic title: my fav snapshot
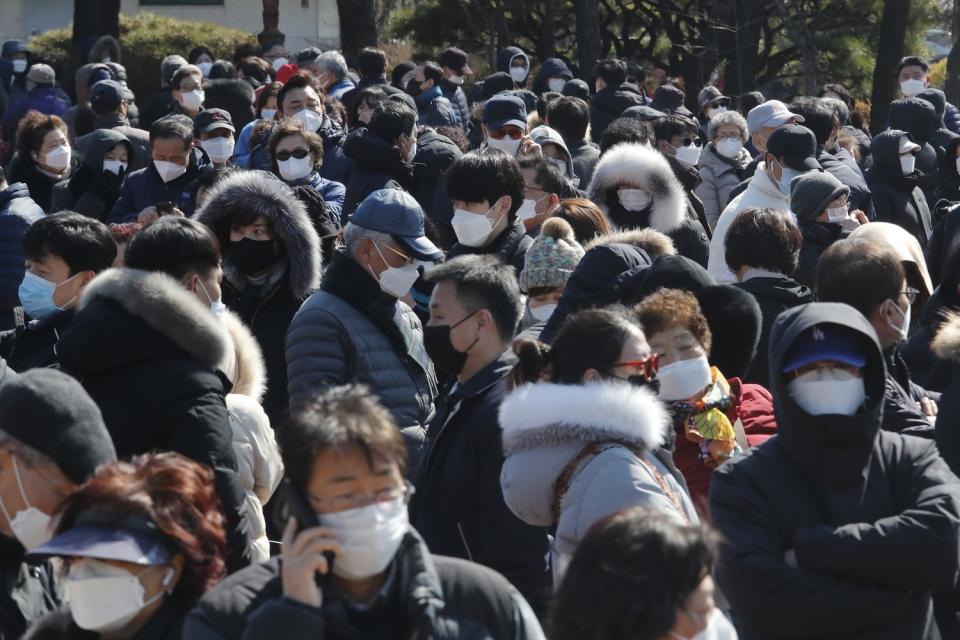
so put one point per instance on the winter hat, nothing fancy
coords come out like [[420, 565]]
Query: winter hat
[[552, 257], [169, 67], [735, 321], [915, 116], [710, 96], [935, 97], [402, 69], [577, 88], [495, 83], [811, 192], [41, 74], [51, 413], [286, 72]]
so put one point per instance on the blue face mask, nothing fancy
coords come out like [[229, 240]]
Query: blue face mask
[[786, 177], [36, 296]]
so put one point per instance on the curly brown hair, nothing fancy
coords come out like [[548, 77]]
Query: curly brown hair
[[669, 308], [32, 129], [178, 496]]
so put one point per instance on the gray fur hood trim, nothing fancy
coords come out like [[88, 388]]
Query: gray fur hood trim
[[549, 415], [645, 167], [163, 303], [267, 195], [244, 363]]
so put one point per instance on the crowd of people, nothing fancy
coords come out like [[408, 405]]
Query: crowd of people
[[297, 348]]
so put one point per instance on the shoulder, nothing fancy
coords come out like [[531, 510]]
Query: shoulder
[[472, 591], [228, 605]]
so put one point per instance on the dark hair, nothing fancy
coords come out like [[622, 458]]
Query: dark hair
[[432, 71], [569, 116], [291, 127], [173, 127], [173, 492], [223, 70], [175, 246], [84, 243], [667, 308], [372, 96], [392, 120], [637, 71], [456, 136], [860, 273], [183, 72], [483, 282], [33, 128], [748, 101], [585, 217], [612, 71], [669, 126], [372, 62], [543, 103], [624, 130], [628, 577], [338, 418], [841, 91], [486, 176], [763, 238], [818, 116], [546, 175], [335, 110], [255, 68], [590, 339], [196, 52], [299, 80], [207, 180], [268, 91], [913, 61]]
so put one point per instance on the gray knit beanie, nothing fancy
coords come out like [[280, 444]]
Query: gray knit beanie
[[552, 257], [811, 192]]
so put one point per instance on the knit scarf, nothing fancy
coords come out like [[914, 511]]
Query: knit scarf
[[705, 422]]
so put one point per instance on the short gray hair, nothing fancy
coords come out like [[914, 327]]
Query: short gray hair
[[353, 235], [333, 62], [725, 118]]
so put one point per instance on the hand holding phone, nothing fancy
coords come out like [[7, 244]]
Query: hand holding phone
[[305, 555]]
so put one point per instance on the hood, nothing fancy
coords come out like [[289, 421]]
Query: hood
[[13, 192], [885, 150], [275, 201], [11, 47], [506, 57], [105, 47], [331, 131], [373, 153], [652, 241], [830, 449], [551, 67], [543, 134], [100, 142], [937, 98], [903, 243], [784, 290], [915, 116], [735, 321], [616, 100], [671, 272], [244, 363], [647, 169]]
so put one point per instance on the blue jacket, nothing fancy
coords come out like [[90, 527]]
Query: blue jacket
[[17, 212], [435, 110], [951, 118], [241, 151], [46, 100], [144, 188], [332, 192], [454, 93], [336, 165]]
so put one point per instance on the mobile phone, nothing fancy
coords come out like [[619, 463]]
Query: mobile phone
[[291, 503], [164, 208]]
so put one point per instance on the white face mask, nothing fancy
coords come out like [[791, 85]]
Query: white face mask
[[217, 308], [911, 88], [279, 62], [904, 327], [192, 100], [836, 215], [58, 158], [907, 163], [712, 111], [295, 168], [786, 177], [114, 166], [267, 114], [205, 68], [528, 210], [105, 598], [506, 144], [457, 80], [412, 153], [634, 199], [684, 378], [311, 119], [169, 170], [473, 229], [543, 312], [519, 74], [556, 84], [688, 155], [396, 281], [729, 147], [19, 65], [30, 526], [369, 537], [828, 391], [219, 149]]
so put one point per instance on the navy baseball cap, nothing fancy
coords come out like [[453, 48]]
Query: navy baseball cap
[[503, 109], [397, 212], [132, 538], [825, 342], [210, 119], [796, 145], [106, 94]]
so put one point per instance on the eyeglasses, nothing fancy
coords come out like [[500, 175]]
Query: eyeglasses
[[647, 368], [500, 134], [355, 501], [407, 259], [911, 294], [298, 153], [825, 364]]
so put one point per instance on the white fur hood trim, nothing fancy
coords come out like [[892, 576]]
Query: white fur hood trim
[[244, 363], [546, 414]]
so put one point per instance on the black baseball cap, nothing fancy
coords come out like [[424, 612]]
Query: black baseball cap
[[669, 99], [210, 119], [456, 59], [106, 94], [796, 145]]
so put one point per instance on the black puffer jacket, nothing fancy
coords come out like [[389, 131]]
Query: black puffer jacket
[[435, 154], [608, 104], [377, 165], [40, 184], [898, 198], [91, 190], [846, 499], [34, 344], [17, 212], [860, 196], [919, 118]]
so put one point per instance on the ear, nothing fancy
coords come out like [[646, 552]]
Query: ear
[[591, 375], [503, 204], [430, 83], [85, 278], [663, 147], [177, 565], [554, 200]]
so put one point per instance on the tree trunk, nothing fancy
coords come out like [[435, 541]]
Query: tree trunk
[[588, 35], [800, 34], [548, 42], [358, 25], [92, 19], [952, 85], [737, 38], [893, 30]]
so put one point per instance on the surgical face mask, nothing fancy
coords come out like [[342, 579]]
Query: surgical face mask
[[457, 80], [528, 210], [205, 68], [904, 327], [412, 153], [36, 296], [114, 166], [543, 312], [395, 281], [446, 358], [836, 215], [786, 177], [729, 147], [911, 88], [519, 74], [267, 114], [556, 84], [688, 155], [634, 199], [19, 65], [907, 163], [311, 119], [506, 144], [828, 391], [712, 111], [192, 100], [295, 168], [473, 229], [58, 158], [104, 598], [682, 379], [217, 308], [279, 62], [369, 537], [219, 149], [30, 526], [169, 170]]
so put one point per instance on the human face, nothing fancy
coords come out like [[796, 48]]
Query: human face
[[217, 133], [551, 150], [841, 201], [731, 131], [258, 230], [446, 309], [913, 73], [760, 137], [53, 269], [187, 85], [299, 99], [44, 485], [119, 152], [551, 296], [205, 286], [694, 614], [54, 138], [170, 150], [271, 103], [343, 479], [497, 213], [377, 257], [290, 144], [203, 58], [675, 344]]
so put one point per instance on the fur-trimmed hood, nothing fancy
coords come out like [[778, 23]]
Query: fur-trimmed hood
[[265, 194], [652, 241], [647, 169], [244, 363], [946, 344]]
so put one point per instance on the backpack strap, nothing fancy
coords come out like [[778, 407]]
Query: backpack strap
[[579, 461]]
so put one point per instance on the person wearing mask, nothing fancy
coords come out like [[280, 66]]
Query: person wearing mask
[[570, 117], [459, 508], [64, 253], [188, 94], [552, 77], [543, 188], [549, 263], [797, 538], [504, 126], [723, 163], [202, 58], [52, 440], [167, 180], [868, 276], [271, 264], [762, 121], [14, 64], [677, 138], [945, 143], [712, 103], [584, 410], [141, 541], [332, 74], [266, 109], [80, 115], [763, 247], [453, 62], [554, 150], [613, 95], [162, 101], [106, 102], [587, 219], [43, 157], [372, 65], [94, 187], [636, 188], [275, 54], [43, 96], [515, 63], [918, 118], [895, 180], [433, 109], [382, 153], [17, 212], [913, 76], [790, 151], [345, 464], [213, 131]]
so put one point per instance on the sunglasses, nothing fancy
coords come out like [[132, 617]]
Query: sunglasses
[[647, 368], [686, 142], [299, 154], [500, 134]]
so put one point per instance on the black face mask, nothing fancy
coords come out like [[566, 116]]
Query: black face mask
[[447, 360], [652, 384], [413, 87], [252, 256]]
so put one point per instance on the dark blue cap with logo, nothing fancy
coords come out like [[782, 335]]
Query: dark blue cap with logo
[[825, 342], [397, 212], [503, 109], [210, 119]]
